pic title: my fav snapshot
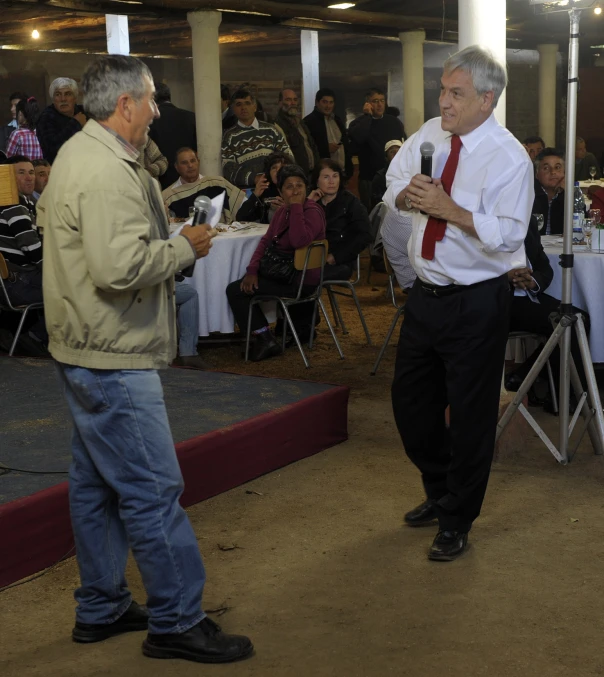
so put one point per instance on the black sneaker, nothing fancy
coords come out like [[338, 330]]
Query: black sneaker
[[135, 619], [203, 643]]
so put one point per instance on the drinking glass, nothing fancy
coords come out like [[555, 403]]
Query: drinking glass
[[592, 172], [588, 225], [594, 215], [540, 221]]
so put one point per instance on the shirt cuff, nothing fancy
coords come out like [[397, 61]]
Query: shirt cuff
[[536, 290], [488, 231]]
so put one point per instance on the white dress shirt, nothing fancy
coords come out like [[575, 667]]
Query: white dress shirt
[[255, 124], [494, 181], [179, 182]]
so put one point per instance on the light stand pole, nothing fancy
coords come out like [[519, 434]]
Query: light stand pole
[[589, 404]]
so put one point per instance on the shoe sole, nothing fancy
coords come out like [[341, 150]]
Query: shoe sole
[[426, 523], [92, 636], [447, 558], [158, 652]]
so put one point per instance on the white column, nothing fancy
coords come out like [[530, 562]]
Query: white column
[[309, 44], [548, 57], [484, 23], [413, 79], [118, 38], [206, 84]]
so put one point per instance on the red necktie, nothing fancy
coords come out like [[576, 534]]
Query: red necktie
[[435, 230]]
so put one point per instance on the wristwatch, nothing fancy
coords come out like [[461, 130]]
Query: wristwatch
[[408, 203]]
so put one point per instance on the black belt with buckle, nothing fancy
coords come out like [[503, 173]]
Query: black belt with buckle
[[446, 290]]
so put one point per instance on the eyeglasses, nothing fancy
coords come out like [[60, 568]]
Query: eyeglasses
[[374, 101]]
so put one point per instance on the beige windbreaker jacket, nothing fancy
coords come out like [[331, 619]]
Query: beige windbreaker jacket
[[108, 274]]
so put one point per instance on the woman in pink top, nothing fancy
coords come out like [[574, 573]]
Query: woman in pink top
[[23, 141], [295, 225]]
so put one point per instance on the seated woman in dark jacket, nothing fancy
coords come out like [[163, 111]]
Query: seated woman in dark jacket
[[348, 228], [296, 224], [263, 203]]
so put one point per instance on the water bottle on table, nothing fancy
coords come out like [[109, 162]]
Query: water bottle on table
[[578, 213]]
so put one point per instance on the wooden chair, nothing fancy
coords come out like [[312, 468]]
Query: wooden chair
[[400, 309], [7, 305], [332, 294], [306, 258]]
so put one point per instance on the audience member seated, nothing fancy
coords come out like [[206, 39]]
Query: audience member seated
[[347, 224], [378, 185], [42, 174], [549, 190], [9, 127], [180, 196], [22, 250], [174, 129], [584, 161], [245, 145], [297, 134], [152, 159], [370, 132], [596, 195], [534, 146], [329, 132], [264, 202], [396, 232], [228, 117], [298, 223], [531, 308], [23, 141], [26, 182], [187, 306], [62, 119]]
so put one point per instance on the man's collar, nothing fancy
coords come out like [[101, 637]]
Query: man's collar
[[128, 147], [111, 139], [472, 140], [255, 124]]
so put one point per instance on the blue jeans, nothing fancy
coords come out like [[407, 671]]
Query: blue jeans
[[124, 490], [187, 303]]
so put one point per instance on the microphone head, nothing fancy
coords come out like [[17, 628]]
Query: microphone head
[[202, 203], [427, 149]]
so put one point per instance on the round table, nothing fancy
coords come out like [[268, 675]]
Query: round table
[[588, 285], [229, 257]]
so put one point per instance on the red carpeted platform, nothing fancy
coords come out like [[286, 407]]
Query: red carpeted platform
[[35, 529]]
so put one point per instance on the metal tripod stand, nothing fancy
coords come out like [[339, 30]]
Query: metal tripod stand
[[589, 404]]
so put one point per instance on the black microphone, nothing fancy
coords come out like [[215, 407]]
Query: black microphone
[[427, 151], [202, 207]]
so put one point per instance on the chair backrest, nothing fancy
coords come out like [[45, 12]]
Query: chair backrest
[[312, 256], [9, 195], [387, 265], [3, 267], [376, 218]]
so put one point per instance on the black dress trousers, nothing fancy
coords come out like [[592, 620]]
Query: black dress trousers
[[451, 353]]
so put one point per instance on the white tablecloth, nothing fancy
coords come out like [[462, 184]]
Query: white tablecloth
[[588, 290], [227, 261]]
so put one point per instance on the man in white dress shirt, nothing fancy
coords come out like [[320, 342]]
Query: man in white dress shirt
[[469, 227]]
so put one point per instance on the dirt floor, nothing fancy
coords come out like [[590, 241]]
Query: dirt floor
[[327, 581]]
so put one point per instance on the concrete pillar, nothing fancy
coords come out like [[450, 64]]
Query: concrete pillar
[[118, 38], [206, 84], [548, 56], [309, 45], [413, 79], [484, 23]]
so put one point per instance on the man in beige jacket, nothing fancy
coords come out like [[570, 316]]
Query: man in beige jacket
[[109, 303]]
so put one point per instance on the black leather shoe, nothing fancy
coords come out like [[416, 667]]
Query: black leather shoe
[[448, 545], [513, 382], [203, 643], [264, 346], [135, 619], [421, 516]]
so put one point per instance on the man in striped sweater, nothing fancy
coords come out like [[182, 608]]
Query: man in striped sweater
[[22, 250], [245, 145]]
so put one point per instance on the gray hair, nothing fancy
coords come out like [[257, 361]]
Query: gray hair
[[488, 74], [107, 78], [62, 83]]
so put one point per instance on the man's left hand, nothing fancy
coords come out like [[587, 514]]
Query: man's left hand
[[428, 195], [522, 278]]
